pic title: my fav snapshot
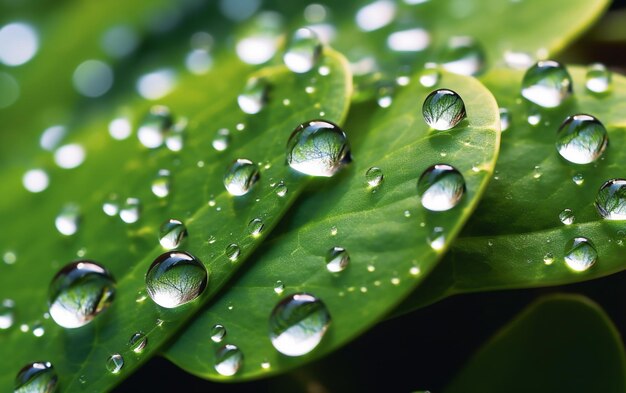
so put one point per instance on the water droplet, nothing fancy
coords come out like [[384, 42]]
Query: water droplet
[[375, 15], [218, 332], [298, 324], [279, 287], [578, 179], [78, 292], [443, 109], [505, 119], [172, 233], [333, 231], [93, 78], [261, 39], [174, 139], [414, 271], [241, 177], [255, 227], [9, 257], [254, 96], [611, 200], [120, 128], [19, 42], [318, 148], [232, 252], [440, 187], [115, 363], [534, 117], [598, 78], [567, 216], [110, 207], [37, 377], [407, 214], [430, 75], [303, 51], [176, 278], [395, 281], [548, 258], [35, 180], [199, 61], [547, 84], [212, 239], [384, 95], [67, 220], [138, 342], [580, 254], [155, 125], [130, 211], [38, 330], [156, 84], [537, 172], [265, 365], [337, 259], [281, 189], [410, 40], [52, 137], [228, 360], [69, 156], [463, 55], [161, 184], [7, 314], [221, 139], [581, 139], [374, 177], [437, 239]]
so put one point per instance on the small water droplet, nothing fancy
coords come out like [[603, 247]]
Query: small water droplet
[[218, 332], [232, 252], [537, 172], [9, 257], [430, 75], [161, 184], [176, 278], [279, 287], [212, 239], [254, 96], [228, 360], [265, 365], [505, 119], [407, 213], [333, 231], [38, 330], [567, 216], [548, 258], [578, 179], [337, 259], [303, 51], [172, 233], [376, 15], [35, 180], [221, 139], [440, 187], [298, 324], [374, 177], [611, 200], [69, 156], [534, 117], [67, 220], [384, 95], [155, 125], [463, 55], [409, 40], [130, 211], [78, 292], [281, 189], [371, 268], [436, 239], [115, 363], [318, 148], [7, 314], [120, 128], [598, 78], [580, 254], [581, 139], [547, 84], [37, 377], [255, 227], [443, 109], [138, 342], [111, 207], [395, 281], [241, 177]]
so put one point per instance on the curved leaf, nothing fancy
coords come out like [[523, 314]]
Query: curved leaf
[[560, 343], [385, 231]]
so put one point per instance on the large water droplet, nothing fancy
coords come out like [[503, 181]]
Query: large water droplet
[[580, 254], [337, 259], [547, 84], [228, 360], [443, 109], [303, 52], [298, 324], [130, 211], [254, 96], [172, 233], [567, 217], [37, 377], [67, 220], [218, 332], [611, 200], [176, 278], [318, 148], [161, 184], [463, 55], [440, 187], [598, 78], [241, 177], [374, 177], [115, 363], [138, 342], [581, 139], [155, 125], [78, 292]]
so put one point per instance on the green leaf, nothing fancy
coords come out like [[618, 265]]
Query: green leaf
[[127, 251], [560, 343], [385, 231], [517, 223]]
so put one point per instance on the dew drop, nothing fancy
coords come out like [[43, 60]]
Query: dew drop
[[254, 96], [155, 125], [69, 156], [580, 254], [7, 314], [228, 360], [9, 257], [260, 42], [333, 231], [115, 363], [221, 139], [463, 55], [303, 52], [35, 180], [374, 177], [120, 128], [130, 211], [384, 95], [581, 139], [547, 84], [410, 40], [255, 227], [78, 292], [430, 75], [241, 177], [232, 252], [318, 148], [534, 117], [337, 259], [548, 259], [440, 187], [567, 216], [161, 184], [437, 239], [138, 342], [578, 179], [279, 287], [298, 324], [67, 220], [218, 332], [443, 109], [265, 365], [598, 78], [37, 377], [611, 200], [176, 278], [172, 234], [505, 119], [52, 137], [110, 207], [38, 330], [19, 42], [375, 15], [281, 189]]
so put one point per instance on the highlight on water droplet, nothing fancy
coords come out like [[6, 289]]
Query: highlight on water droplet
[[172, 234], [463, 55], [176, 278], [611, 200], [443, 109], [67, 220], [374, 177], [7, 314], [254, 96], [78, 292], [36, 377], [440, 187], [241, 177], [567, 216], [154, 126], [337, 259], [318, 148], [580, 254], [228, 360], [581, 139], [161, 184], [138, 342], [303, 51], [218, 332], [547, 84], [548, 259], [598, 78], [298, 324], [115, 363]]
